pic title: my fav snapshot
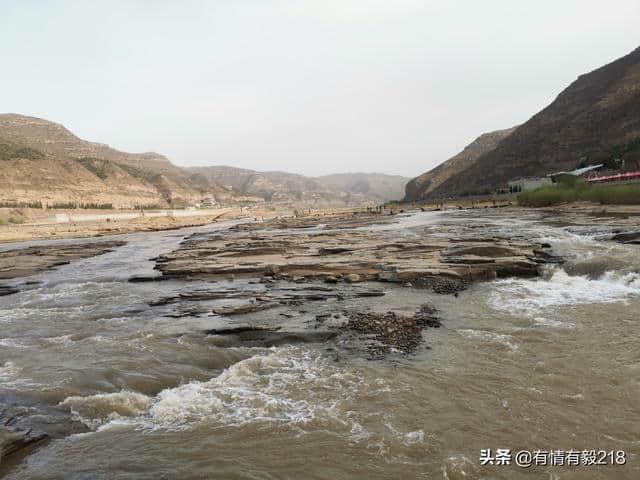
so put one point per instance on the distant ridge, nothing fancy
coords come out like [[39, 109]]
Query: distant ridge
[[593, 120], [423, 186], [325, 191], [42, 161]]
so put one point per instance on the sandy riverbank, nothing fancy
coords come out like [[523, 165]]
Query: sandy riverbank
[[112, 226], [22, 232], [100, 223]]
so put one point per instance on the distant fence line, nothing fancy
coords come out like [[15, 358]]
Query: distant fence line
[[68, 217], [301, 212]]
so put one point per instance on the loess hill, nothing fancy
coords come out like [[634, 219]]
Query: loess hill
[[594, 120]]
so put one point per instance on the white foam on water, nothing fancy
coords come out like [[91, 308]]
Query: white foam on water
[[72, 338], [549, 322], [65, 340], [291, 386], [286, 385], [8, 371], [457, 467], [14, 314], [562, 238], [502, 339], [577, 396], [413, 438], [358, 433], [11, 342], [11, 377], [531, 297], [94, 410]]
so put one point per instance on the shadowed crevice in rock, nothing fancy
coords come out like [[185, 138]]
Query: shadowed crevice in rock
[[265, 336], [632, 238]]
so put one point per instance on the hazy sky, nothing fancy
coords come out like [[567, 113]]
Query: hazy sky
[[313, 87]]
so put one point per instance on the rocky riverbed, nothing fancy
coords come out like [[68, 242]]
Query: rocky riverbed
[[344, 249], [345, 324], [283, 266], [23, 262]]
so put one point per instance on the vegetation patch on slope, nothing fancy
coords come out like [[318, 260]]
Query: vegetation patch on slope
[[10, 151], [97, 166], [603, 194]]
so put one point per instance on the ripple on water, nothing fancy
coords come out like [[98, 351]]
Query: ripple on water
[[12, 343], [502, 339], [11, 377]]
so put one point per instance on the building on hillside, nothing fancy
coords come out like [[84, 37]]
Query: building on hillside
[[618, 178], [573, 176], [208, 202], [531, 183]]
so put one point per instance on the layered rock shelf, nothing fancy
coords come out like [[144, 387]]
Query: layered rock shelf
[[300, 280], [22, 262], [340, 250]]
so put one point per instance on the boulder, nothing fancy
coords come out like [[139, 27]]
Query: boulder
[[352, 278], [7, 290], [12, 440], [628, 237], [388, 277], [271, 270]]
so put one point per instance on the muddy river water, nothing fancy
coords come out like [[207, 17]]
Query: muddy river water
[[548, 363]]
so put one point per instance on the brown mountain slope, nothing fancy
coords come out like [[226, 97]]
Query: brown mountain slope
[[422, 186], [42, 160], [593, 120], [378, 187], [337, 190]]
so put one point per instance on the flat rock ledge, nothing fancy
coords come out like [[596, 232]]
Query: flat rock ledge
[[358, 252], [301, 280], [22, 262]]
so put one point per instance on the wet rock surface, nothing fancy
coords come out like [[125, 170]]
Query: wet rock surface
[[342, 250], [102, 350], [266, 337], [7, 290], [26, 424], [256, 298], [22, 262], [296, 280], [627, 237], [393, 331]]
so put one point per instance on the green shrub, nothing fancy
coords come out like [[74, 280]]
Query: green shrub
[[603, 194], [95, 206], [86, 206], [20, 204], [65, 205], [150, 206], [10, 151], [97, 166]]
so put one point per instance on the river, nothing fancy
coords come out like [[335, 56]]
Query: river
[[550, 363]]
